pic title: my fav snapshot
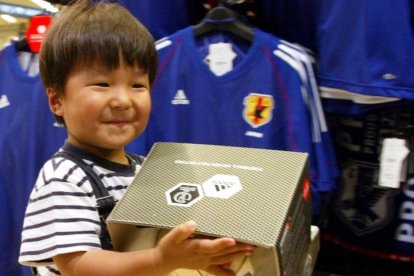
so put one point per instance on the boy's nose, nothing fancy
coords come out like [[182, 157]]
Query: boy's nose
[[120, 98]]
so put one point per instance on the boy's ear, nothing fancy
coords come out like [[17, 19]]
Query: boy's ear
[[55, 102]]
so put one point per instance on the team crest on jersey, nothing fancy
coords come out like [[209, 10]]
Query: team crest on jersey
[[363, 207], [258, 109]]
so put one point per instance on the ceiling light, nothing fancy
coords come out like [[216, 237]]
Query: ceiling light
[[8, 18], [46, 5]]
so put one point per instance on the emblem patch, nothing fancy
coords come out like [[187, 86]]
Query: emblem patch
[[362, 207], [258, 109]]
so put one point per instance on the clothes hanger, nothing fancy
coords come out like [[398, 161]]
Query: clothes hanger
[[22, 45], [60, 2], [223, 18]]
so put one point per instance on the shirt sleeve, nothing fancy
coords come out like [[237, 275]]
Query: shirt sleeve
[[61, 216]]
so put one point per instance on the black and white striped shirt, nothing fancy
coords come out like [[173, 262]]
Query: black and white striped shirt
[[61, 216]]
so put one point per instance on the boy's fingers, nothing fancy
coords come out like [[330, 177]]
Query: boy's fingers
[[216, 245], [223, 246], [181, 233], [238, 248]]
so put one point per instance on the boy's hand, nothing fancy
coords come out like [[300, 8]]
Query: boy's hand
[[178, 250]]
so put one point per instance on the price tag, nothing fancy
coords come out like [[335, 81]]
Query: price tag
[[393, 162], [220, 58]]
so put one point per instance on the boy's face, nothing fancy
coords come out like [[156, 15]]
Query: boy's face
[[104, 109]]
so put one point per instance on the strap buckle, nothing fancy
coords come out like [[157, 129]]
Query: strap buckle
[[98, 205]]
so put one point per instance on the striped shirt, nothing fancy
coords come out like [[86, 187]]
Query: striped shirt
[[61, 216]]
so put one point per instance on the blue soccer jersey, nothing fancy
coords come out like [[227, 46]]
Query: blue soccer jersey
[[292, 20], [365, 49], [260, 102], [161, 17], [16, 87], [28, 138]]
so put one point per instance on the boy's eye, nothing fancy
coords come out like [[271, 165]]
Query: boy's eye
[[137, 85], [102, 84]]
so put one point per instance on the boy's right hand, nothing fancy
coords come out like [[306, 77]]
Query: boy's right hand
[[178, 249]]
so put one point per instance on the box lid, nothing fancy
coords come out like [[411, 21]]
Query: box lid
[[244, 193]]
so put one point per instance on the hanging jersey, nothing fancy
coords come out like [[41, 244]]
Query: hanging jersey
[[16, 87], [291, 20], [15, 96], [28, 138], [364, 213], [366, 50], [259, 102]]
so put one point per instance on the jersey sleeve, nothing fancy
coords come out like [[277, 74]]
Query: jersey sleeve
[[323, 164]]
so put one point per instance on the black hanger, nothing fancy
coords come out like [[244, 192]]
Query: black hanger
[[222, 18], [22, 45], [60, 2]]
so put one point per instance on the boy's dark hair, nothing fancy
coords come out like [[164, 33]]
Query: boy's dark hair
[[90, 31]]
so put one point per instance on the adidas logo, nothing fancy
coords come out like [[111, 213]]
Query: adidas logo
[[4, 101], [222, 186], [180, 98]]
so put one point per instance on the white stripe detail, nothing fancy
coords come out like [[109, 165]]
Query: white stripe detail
[[305, 58], [298, 67], [162, 44], [334, 93]]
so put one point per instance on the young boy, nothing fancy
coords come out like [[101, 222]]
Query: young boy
[[97, 64]]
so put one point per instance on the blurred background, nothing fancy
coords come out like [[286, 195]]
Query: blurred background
[[15, 16]]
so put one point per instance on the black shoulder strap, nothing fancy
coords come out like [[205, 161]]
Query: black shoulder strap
[[137, 158], [104, 201]]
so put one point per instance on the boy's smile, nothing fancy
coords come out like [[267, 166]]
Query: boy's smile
[[104, 109]]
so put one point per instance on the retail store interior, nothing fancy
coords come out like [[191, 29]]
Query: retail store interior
[[333, 79]]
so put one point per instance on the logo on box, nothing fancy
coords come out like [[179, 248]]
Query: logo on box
[[219, 186]]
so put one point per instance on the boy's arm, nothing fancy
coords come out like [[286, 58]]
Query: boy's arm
[[175, 250]]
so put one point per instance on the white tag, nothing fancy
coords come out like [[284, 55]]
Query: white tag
[[220, 58], [29, 63], [393, 165]]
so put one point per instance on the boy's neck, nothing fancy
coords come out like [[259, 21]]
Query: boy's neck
[[117, 156]]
